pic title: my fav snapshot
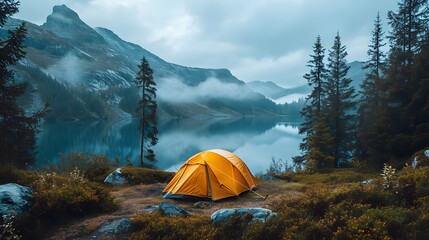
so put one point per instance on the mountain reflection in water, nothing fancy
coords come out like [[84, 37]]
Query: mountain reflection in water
[[254, 139]]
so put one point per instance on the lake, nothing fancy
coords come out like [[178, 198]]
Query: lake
[[254, 139]]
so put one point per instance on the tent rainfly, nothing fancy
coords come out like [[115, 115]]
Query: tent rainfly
[[214, 174]]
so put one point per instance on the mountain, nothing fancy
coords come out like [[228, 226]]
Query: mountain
[[279, 94], [282, 95], [85, 72]]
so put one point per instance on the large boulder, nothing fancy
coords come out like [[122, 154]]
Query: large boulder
[[258, 214], [172, 209], [116, 226], [115, 178], [15, 199]]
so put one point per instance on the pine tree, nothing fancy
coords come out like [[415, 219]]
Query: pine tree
[[314, 154], [340, 103], [371, 91], [320, 143], [17, 131], [395, 131], [409, 27], [148, 107], [418, 108], [316, 78]]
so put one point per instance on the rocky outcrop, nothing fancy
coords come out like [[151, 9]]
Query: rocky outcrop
[[258, 214], [15, 199], [115, 178], [116, 226], [173, 210]]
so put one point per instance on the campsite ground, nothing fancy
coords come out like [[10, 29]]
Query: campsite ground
[[138, 199]]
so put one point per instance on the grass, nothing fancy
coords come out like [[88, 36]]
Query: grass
[[137, 175], [332, 204], [330, 176]]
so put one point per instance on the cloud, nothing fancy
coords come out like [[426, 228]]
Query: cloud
[[230, 34], [68, 70], [273, 69], [173, 90]]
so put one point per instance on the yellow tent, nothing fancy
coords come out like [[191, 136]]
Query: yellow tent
[[214, 174]]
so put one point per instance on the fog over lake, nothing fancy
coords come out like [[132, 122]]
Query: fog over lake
[[254, 139]]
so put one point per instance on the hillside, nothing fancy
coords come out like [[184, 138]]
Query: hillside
[[91, 71]]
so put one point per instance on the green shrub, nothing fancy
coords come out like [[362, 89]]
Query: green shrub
[[11, 174], [273, 228], [95, 167], [380, 223], [69, 196], [136, 175], [363, 227], [59, 198], [158, 226]]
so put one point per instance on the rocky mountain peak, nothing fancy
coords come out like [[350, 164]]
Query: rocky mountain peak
[[66, 23], [64, 16]]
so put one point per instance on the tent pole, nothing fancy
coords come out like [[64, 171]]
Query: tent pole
[[210, 184]]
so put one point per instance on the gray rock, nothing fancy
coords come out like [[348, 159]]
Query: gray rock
[[366, 182], [15, 198], [426, 152], [259, 214], [415, 162], [115, 178], [172, 209], [116, 226]]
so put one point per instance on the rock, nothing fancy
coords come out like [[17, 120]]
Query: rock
[[202, 205], [415, 162], [16, 198], [426, 152], [258, 214], [369, 181], [115, 178], [172, 210], [116, 226]]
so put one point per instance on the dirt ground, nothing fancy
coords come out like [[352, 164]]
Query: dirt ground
[[140, 199]]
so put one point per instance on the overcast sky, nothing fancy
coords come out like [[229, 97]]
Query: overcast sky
[[268, 40]]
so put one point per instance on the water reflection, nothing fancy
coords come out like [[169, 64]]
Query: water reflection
[[255, 140]]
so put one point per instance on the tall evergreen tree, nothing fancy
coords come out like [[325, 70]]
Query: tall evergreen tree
[[409, 34], [315, 78], [148, 107], [317, 144], [340, 103], [371, 91], [17, 131], [418, 108], [409, 27]]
